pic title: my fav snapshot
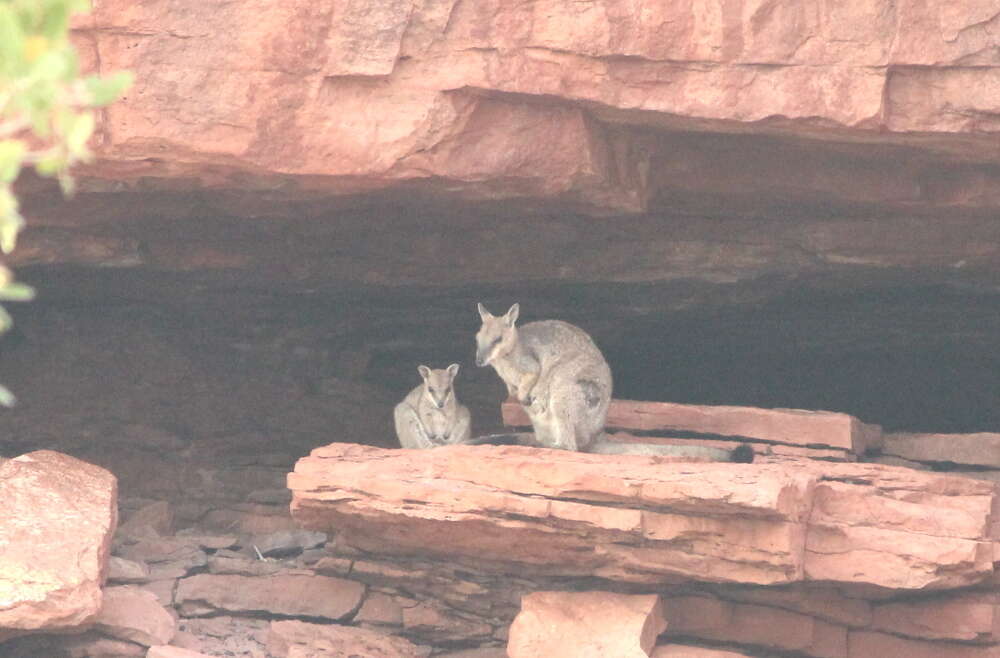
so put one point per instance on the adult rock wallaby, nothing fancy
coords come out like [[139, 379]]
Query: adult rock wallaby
[[430, 415], [561, 377]]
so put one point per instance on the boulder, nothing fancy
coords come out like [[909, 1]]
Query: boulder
[[59, 515]]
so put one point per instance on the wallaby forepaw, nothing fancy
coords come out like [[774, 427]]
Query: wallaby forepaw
[[534, 404]]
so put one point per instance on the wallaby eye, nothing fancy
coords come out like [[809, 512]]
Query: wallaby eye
[[431, 389], [496, 341]]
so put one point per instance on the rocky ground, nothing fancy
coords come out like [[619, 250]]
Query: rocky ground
[[202, 400], [240, 595]]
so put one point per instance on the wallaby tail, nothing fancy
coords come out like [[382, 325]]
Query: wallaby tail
[[511, 439], [742, 454]]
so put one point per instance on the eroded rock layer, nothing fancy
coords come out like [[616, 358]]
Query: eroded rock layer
[[646, 520], [546, 99], [450, 142]]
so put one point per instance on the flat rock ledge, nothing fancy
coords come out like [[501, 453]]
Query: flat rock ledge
[[649, 521]]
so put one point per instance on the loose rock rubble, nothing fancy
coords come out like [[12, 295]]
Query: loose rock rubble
[[480, 552]]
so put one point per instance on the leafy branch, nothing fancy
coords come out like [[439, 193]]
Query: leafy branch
[[46, 115]]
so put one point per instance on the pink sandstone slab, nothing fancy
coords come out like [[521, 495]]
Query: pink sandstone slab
[[59, 514], [789, 426]]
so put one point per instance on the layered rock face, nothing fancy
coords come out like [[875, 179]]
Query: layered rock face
[[645, 520], [730, 140], [652, 157], [814, 558], [346, 97]]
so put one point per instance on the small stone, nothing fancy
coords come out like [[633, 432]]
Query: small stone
[[380, 608], [243, 565], [167, 557], [430, 617], [165, 651], [287, 542], [297, 638], [159, 516], [482, 652], [585, 625], [127, 571], [210, 542], [227, 636], [312, 556], [163, 590], [134, 614]]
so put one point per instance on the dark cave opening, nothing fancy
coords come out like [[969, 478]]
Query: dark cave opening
[[922, 358], [206, 359]]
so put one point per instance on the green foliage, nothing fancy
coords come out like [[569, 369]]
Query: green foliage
[[46, 113]]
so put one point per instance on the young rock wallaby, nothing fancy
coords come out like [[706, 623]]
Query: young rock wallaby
[[560, 376], [430, 415]]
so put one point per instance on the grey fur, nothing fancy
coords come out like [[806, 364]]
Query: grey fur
[[430, 415], [559, 374]]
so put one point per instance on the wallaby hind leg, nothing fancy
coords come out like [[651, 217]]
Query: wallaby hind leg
[[563, 435], [591, 412], [565, 414], [541, 427], [410, 430]]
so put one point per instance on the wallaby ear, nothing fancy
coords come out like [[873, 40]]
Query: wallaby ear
[[512, 313], [424, 371], [483, 313], [453, 370]]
